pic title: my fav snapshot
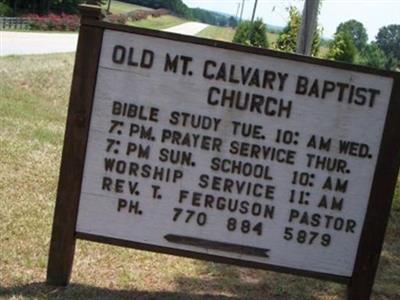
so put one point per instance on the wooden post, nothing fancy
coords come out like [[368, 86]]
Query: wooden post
[[308, 26], [373, 232], [62, 245]]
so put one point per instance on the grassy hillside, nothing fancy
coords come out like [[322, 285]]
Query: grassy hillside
[[227, 33], [160, 23], [33, 107], [217, 33], [118, 7]]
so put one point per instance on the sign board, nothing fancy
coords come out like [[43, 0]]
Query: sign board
[[234, 155]]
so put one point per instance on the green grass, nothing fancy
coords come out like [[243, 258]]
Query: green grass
[[272, 37], [323, 51], [162, 22], [226, 34], [33, 106], [217, 33], [118, 7]]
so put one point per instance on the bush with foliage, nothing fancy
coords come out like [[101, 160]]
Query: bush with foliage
[[232, 22], [141, 14], [342, 48], [5, 10], [251, 34], [135, 15], [287, 39], [159, 12], [388, 39], [54, 22], [43, 7], [119, 19], [356, 31], [373, 56]]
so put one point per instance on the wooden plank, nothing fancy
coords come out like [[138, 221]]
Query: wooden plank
[[207, 257], [371, 242], [62, 245]]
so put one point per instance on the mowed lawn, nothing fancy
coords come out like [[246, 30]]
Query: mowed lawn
[[33, 105]]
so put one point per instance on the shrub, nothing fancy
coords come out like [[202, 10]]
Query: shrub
[[388, 39], [61, 22], [287, 38], [118, 19], [141, 14], [251, 34], [159, 12], [342, 48], [5, 10], [373, 56], [357, 32]]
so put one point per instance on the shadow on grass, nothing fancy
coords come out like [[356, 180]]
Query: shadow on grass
[[257, 284], [40, 290]]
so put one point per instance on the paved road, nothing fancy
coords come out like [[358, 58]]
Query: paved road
[[189, 28], [19, 43], [36, 43]]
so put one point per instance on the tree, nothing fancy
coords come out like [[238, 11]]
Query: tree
[[388, 39], [43, 6], [5, 10], [357, 32], [251, 34], [232, 22], [373, 56], [342, 48], [287, 39]]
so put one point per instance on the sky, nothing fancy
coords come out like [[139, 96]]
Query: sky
[[372, 13]]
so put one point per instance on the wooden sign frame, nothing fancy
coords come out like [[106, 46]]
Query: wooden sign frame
[[64, 233]]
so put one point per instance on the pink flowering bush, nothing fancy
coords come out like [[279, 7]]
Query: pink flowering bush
[[141, 14], [117, 19], [54, 22]]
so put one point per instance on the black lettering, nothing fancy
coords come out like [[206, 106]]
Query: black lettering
[[118, 55]]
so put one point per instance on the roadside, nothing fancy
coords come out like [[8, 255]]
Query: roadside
[[189, 28], [22, 43]]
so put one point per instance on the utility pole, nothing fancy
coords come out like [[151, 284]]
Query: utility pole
[[241, 12], [15, 8], [237, 10], [254, 11], [250, 36], [308, 27]]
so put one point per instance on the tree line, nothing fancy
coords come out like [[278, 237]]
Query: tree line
[[350, 42], [41, 7], [180, 9]]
